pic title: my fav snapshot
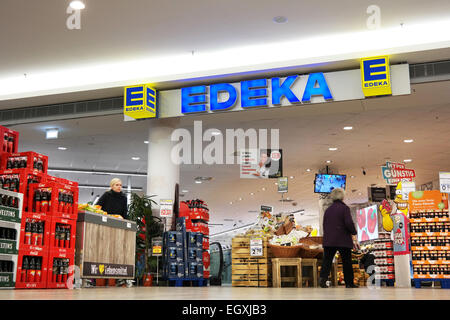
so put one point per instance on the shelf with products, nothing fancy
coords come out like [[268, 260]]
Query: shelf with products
[[430, 234], [430, 214], [431, 262], [424, 220], [431, 248]]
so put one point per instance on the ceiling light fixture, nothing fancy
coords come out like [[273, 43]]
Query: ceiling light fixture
[[352, 177], [407, 160], [62, 148], [252, 194], [146, 141], [408, 140], [51, 133], [292, 177], [308, 170], [280, 19], [332, 149], [185, 191], [135, 158], [240, 199], [198, 181], [348, 128], [328, 161], [263, 189], [77, 5]]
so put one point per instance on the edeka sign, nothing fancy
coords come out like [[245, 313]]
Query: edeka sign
[[252, 94], [139, 102], [375, 76]]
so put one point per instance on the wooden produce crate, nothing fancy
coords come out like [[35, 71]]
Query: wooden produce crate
[[247, 270]]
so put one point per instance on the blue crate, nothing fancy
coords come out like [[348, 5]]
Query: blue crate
[[445, 283]]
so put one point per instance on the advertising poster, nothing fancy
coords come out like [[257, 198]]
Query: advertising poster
[[283, 184], [367, 223], [428, 200], [261, 164], [400, 234], [444, 182], [396, 172]]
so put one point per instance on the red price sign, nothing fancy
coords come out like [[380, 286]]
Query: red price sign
[[166, 207]]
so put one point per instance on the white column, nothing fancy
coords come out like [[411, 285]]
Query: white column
[[162, 173]]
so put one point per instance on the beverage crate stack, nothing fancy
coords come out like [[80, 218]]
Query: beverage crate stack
[[383, 250], [46, 229], [10, 217], [430, 246], [248, 270]]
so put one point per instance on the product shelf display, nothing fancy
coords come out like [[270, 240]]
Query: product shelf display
[[430, 244], [8, 270]]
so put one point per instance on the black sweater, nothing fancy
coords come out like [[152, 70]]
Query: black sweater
[[114, 203]]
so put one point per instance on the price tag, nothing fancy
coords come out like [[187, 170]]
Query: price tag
[[166, 207], [256, 247], [104, 219], [128, 225]]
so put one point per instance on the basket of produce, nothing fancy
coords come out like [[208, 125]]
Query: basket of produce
[[311, 248], [285, 251]]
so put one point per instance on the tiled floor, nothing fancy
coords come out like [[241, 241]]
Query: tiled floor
[[228, 293]]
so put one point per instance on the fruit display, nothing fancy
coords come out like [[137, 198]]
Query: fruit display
[[91, 208]]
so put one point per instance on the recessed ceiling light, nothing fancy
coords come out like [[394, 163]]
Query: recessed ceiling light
[[252, 194], [328, 161], [263, 189], [240, 199], [360, 193], [407, 160], [51, 133], [348, 128], [146, 141], [292, 177], [198, 181], [332, 149], [135, 158], [77, 5], [352, 177], [308, 170], [185, 191], [231, 202], [280, 19], [408, 140], [276, 183], [62, 148]]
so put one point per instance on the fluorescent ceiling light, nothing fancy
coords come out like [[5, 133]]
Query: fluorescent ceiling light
[[62, 148], [332, 149], [308, 170], [408, 140], [390, 41], [51, 133], [352, 177], [240, 199], [292, 177], [407, 160], [348, 128], [135, 158], [185, 191], [77, 5], [146, 142], [252, 194], [198, 181]]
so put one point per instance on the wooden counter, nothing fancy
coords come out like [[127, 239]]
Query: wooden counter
[[105, 246]]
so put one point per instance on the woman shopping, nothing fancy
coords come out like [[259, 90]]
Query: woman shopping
[[339, 234], [114, 201]]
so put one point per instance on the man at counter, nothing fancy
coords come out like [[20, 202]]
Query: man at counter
[[114, 201]]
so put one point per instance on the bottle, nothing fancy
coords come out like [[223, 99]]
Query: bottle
[[10, 144], [38, 270], [6, 183], [5, 142], [41, 233], [49, 198], [57, 234], [40, 165], [23, 163], [60, 201], [34, 233], [25, 266], [37, 200], [44, 202], [65, 270], [55, 269], [31, 271], [17, 188], [9, 164], [67, 241], [28, 232]]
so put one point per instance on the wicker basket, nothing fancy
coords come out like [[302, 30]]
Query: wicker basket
[[285, 251], [306, 252]]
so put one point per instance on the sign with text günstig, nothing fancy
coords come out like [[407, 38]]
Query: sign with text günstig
[[397, 172], [375, 76], [444, 182], [165, 207], [139, 102]]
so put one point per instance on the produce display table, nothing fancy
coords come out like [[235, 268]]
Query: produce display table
[[105, 246]]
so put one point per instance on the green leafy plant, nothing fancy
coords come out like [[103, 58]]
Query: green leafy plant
[[140, 211]]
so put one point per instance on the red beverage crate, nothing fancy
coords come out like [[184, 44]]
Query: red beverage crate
[[60, 273], [205, 243], [62, 233], [29, 278], [62, 180], [33, 160], [197, 227], [206, 274], [10, 140], [199, 214], [55, 206], [206, 260], [25, 177], [35, 239]]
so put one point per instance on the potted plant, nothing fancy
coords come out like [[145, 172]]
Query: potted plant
[[140, 211]]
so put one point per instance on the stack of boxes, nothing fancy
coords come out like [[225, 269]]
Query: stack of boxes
[[186, 250], [383, 250], [46, 236]]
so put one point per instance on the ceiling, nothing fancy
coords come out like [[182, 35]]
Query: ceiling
[[36, 42], [380, 126]]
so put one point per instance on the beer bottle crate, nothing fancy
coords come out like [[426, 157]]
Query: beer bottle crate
[[11, 204], [62, 233], [35, 231], [32, 268], [50, 197], [60, 268], [28, 160], [8, 271], [9, 237]]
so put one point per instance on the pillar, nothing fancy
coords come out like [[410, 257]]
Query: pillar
[[162, 173]]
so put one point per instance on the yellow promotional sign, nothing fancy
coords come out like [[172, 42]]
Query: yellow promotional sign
[[376, 76], [139, 102]]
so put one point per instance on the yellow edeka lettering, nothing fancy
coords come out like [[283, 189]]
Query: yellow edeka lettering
[[375, 76], [139, 101]]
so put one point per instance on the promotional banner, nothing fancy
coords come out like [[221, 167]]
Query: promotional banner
[[401, 234], [396, 172], [428, 201], [283, 184], [367, 223], [262, 164]]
